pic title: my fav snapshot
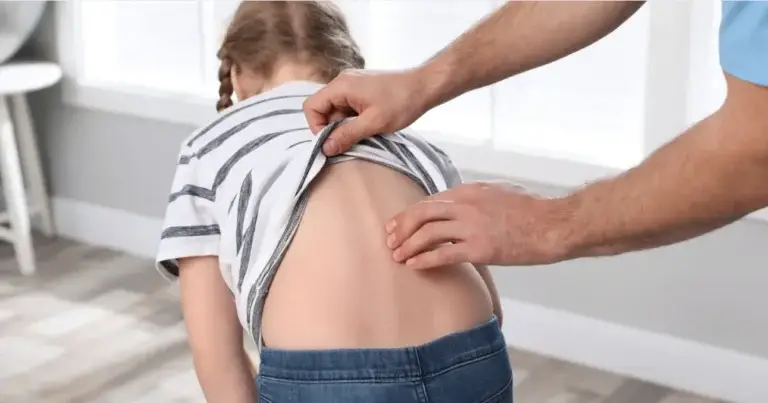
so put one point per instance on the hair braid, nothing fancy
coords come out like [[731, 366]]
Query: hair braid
[[225, 82]]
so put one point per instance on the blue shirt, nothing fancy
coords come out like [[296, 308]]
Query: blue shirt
[[744, 40]]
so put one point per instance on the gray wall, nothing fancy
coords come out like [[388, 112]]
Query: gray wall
[[712, 289], [113, 160]]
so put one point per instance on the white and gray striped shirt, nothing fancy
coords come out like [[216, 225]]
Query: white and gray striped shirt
[[240, 188]]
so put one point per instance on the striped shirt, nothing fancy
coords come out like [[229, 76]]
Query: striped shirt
[[241, 182]]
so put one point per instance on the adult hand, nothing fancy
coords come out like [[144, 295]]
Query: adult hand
[[481, 223], [383, 101]]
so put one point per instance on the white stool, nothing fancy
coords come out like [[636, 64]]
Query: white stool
[[20, 164]]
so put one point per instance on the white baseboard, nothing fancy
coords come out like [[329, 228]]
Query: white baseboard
[[653, 357], [678, 363], [103, 226]]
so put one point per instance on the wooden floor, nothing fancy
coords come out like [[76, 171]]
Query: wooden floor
[[100, 326]]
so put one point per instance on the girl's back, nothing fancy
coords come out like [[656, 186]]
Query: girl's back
[[338, 286]]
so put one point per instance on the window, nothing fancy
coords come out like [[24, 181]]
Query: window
[[707, 83], [392, 34], [589, 106], [593, 113], [152, 44]]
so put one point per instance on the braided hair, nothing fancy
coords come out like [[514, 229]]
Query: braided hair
[[225, 82]]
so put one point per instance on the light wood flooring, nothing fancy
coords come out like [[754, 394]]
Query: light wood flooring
[[94, 325]]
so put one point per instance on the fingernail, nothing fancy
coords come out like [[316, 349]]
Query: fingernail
[[410, 262], [391, 226], [391, 240], [397, 255], [331, 147]]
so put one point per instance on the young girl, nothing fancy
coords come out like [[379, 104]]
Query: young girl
[[259, 213]]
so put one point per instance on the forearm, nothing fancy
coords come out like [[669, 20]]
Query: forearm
[[214, 334], [224, 374], [520, 36], [713, 174]]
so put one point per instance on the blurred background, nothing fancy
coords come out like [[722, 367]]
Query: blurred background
[[101, 93]]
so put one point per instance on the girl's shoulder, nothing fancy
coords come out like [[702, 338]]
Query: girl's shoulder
[[280, 106]]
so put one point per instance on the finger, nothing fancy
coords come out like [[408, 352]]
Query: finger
[[445, 255], [415, 216], [429, 236], [328, 103], [338, 115], [350, 132], [508, 185], [317, 108], [451, 195]]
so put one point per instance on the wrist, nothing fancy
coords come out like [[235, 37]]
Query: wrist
[[565, 236], [433, 81]]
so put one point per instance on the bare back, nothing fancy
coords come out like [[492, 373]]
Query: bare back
[[338, 286]]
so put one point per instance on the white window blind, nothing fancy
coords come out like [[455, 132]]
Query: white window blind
[[590, 107]]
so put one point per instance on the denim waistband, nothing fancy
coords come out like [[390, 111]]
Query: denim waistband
[[385, 363]]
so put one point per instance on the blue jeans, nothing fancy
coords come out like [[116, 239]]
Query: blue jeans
[[466, 367]]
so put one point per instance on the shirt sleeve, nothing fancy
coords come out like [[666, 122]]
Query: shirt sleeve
[[744, 40], [452, 175], [190, 227], [447, 168]]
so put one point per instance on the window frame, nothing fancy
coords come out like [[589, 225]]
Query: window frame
[[668, 101]]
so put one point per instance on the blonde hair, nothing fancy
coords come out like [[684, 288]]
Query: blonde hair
[[263, 32]]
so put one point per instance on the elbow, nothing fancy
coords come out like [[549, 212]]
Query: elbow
[[742, 124], [742, 166]]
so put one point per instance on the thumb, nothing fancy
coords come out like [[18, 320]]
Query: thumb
[[348, 133]]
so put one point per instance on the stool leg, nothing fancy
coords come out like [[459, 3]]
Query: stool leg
[[15, 198], [31, 165]]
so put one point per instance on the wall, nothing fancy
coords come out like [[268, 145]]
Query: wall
[[113, 160], [712, 289]]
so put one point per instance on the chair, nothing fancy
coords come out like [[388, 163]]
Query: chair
[[20, 168]]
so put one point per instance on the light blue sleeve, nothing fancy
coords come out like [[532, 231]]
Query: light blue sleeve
[[744, 40]]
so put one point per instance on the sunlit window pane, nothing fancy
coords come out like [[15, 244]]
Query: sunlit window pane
[[396, 34], [706, 87], [589, 106], [153, 44]]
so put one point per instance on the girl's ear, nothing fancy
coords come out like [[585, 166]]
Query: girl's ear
[[245, 82], [236, 79]]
